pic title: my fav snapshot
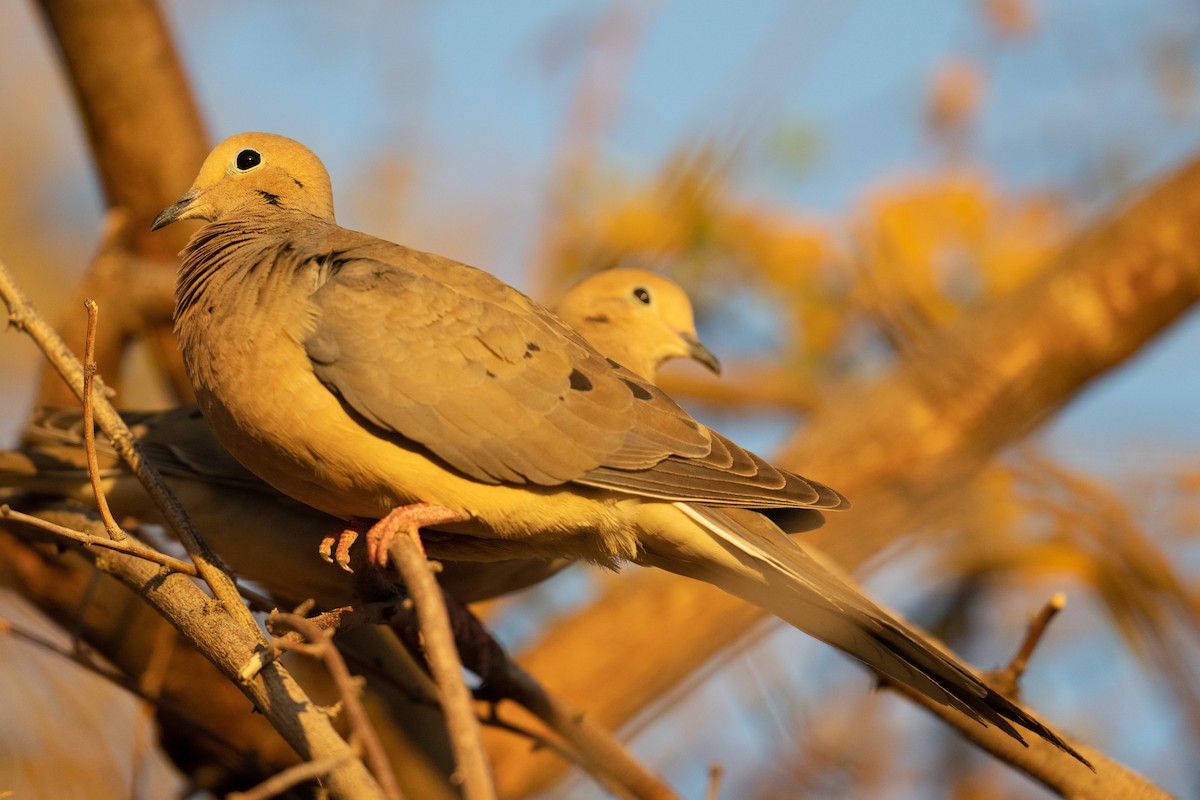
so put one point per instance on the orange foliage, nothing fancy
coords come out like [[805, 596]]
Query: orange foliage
[[936, 245]]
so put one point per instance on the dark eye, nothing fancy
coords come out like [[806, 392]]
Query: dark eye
[[248, 159], [642, 294]]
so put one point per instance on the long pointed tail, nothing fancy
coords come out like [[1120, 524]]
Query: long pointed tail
[[748, 556]]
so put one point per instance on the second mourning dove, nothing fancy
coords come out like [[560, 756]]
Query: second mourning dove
[[376, 382], [636, 318], [248, 522]]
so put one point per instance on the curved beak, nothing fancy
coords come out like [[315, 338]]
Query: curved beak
[[701, 353], [176, 211]]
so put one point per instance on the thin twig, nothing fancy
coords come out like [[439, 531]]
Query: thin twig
[[595, 749], [716, 771], [280, 782], [457, 704], [537, 740], [89, 429], [130, 546], [76, 655], [1007, 681], [349, 689], [338, 620], [23, 316]]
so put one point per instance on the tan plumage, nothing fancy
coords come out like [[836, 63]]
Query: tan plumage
[[357, 375], [268, 537]]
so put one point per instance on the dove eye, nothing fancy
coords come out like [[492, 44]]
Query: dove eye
[[642, 295], [248, 159]]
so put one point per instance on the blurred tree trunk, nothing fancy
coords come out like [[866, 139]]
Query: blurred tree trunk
[[901, 448], [147, 143]]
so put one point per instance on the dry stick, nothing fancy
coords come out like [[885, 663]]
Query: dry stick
[[130, 546], [338, 620], [537, 740], [23, 316], [89, 430], [715, 772], [442, 655], [349, 690], [280, 782], [76, 655], [1007, 680]]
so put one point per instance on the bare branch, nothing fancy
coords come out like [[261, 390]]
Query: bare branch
[[129, 546], [445, 666], [278, 784], [1007, 680], [89, 429], [363, 733]]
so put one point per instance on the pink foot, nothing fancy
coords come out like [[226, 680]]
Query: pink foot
[[406, 520]]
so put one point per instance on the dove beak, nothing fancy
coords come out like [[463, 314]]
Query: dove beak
[[179, 210], [701, 353]]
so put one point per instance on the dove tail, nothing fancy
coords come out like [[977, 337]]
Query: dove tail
[[751, 558]]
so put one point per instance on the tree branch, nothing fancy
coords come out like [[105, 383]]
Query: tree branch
[[904, 446], [442, 656]]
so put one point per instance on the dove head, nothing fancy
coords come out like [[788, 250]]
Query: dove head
[[636, 318], [252, 171]]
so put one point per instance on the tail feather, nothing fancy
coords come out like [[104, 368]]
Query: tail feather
[[758, 563]]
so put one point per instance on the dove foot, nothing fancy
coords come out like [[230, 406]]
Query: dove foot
[[407, 520], [344, 538]]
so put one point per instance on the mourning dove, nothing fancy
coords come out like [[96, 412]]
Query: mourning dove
[[250, 524], [373, 381], [636, 318]]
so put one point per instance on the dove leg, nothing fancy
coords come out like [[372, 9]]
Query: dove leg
[[406, 520]]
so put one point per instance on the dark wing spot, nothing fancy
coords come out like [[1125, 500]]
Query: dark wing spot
[[596, 318], [272, 199], [489, 373], [638, 391], [691, 423], [532, 347], [612, 363], [580, 382], [298, 183]]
